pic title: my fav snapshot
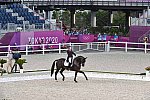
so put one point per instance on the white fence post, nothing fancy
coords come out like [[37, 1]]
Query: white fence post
[[72, 47], [105, 46], [8, 27], [8, 47], [43, 27], [88, 45], [70, 44], [97, 45], [126, 47], [43, 48], [59, 48], [108, 46], [145, 50], [26, 49], [79, 47], [91, 45], [24, 28]]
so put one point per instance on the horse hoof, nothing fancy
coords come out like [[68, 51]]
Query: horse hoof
[[56, 81], [76, 81]]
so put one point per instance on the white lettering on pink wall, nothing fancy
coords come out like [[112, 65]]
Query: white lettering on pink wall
[[46, 40]]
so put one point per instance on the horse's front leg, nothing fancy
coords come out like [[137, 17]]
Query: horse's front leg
[[75, 76], [57, 70], [83, 74], [61, 72]]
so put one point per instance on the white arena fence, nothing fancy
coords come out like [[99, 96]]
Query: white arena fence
[[77, 47]]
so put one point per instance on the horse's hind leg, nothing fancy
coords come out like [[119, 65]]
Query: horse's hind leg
[[57, 70], [61, 72]]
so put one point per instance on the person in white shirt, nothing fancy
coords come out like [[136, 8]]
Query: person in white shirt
[[9, 61]]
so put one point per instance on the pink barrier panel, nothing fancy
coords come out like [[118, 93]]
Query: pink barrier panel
[[48, 37], [86, 38], [53, 37], [74, 39], [25, 37], [66, 38]]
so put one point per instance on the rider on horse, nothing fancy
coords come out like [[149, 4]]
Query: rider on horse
[[70, 54]]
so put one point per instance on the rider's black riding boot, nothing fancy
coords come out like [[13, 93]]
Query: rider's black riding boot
[[69, 66]]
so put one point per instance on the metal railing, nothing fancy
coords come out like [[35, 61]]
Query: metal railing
[[147, 34], [78, 47], [7, 1], [88, 2], [11, 27]]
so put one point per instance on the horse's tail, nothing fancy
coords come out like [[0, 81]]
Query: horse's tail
[[52, 68]]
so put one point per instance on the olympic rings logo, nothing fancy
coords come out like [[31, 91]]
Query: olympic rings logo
[[86, 37]]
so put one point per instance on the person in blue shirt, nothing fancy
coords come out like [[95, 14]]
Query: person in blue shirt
[[104, 37], [99, 37], [115, 37]]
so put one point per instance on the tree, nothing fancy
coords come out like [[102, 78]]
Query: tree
[[119, 19], [55, 15], [102, 18], [82, 19], [66, 17]]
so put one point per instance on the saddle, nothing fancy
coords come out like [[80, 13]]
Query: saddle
[[67, 63]]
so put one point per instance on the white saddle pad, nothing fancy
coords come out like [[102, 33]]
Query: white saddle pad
[[66, 63]]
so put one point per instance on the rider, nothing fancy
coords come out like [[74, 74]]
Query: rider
[[70, 54]]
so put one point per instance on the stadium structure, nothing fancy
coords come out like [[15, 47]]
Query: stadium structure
[[23, 15]]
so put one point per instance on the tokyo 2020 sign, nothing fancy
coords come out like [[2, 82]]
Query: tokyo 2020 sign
[[38, 36]]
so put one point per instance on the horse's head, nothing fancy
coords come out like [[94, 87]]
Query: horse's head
[[79, 61], [83, 60]]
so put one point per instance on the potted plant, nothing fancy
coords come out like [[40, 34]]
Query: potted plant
[[2, 62], [147, 71], [20, 62]]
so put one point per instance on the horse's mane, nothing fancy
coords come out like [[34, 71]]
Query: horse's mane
[[79, 57]]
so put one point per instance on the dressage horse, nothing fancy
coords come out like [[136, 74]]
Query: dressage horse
[[76, 66]]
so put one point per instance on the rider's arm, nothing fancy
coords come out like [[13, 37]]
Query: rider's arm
[[73, 53]]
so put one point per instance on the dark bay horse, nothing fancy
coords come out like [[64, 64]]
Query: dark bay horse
[[76, 66]]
